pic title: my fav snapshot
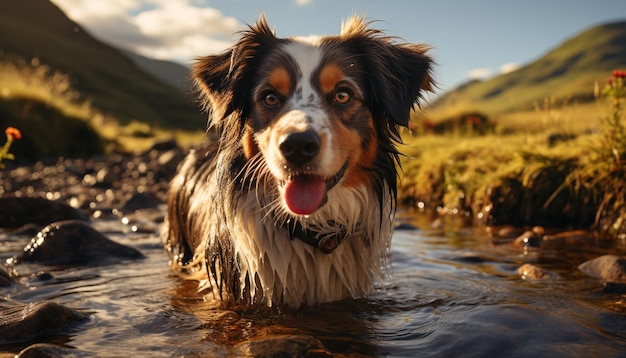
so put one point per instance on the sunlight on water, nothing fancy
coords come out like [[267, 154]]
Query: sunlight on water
[[451, 292]]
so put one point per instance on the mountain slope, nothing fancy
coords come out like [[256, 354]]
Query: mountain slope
[[568, 71], [101, 73], [169, 72]]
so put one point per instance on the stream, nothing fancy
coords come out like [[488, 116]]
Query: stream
[[453, 291]]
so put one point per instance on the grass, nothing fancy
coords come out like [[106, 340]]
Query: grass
[[38, 82], [56, 121], [559, 165], [474, 174]]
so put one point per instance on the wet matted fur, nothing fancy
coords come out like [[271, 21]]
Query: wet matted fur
[[295, 203]]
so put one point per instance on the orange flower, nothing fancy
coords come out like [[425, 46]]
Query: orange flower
[[13, 132], [618, 74]]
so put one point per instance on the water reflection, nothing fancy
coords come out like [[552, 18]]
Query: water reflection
[[453, 291]]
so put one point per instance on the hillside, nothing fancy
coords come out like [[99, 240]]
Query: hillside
[[169, 72], [569, 71], [114, 84]]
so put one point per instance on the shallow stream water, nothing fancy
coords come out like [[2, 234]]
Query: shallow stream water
[[452, 292]]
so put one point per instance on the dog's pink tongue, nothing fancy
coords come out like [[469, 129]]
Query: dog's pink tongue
[[304, 194]]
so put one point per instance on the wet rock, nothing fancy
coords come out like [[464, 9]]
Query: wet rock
[[405, 227], [168, 162], [17, 212], [471, 257], [73, 242], [609, 268], [506, 232], [614, 287], [282, 346], [23, 323], [571, 236], [26, 230], [164, 145], [141, 201], [532, 272], [528, 239], [5, 278], [437, 223], [45, 350]]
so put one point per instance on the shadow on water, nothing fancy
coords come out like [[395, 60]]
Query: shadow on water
[[453, 291]]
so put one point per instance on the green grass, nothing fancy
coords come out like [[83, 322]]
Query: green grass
[[540, 167], [56, 121]]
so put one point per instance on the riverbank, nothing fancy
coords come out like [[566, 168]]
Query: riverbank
[[568, 175]]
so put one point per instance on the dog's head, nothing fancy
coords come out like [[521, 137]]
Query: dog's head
[[319, 112]]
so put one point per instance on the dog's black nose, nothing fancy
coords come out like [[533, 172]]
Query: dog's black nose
[[300, 147]]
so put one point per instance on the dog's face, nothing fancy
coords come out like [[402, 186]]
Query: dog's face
[[311, 122], [318, 112]]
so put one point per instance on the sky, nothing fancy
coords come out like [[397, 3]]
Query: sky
[[470, 39]]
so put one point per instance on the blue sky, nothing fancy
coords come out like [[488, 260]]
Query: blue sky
[[470, 39]]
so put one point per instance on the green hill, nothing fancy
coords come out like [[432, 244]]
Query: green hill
[[569, 71], [169, 72], [110, 80]]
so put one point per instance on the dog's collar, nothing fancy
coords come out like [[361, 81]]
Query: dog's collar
[[326, 242]]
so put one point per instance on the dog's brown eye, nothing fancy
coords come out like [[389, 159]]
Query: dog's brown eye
[[342, 97], [271, 100]]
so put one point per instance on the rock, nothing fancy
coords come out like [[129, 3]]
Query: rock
[[471, 257], [532, 272], [141, 201], [614, 287], [16, 212], [528, 239], [570, 237], [73, 242], [45, 350], [168, 162], [164, 145], [5, 278], [405, 227], [282, 346], [609, 268], [22, 323], [506, 232]]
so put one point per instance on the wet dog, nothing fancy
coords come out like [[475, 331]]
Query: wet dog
[[295, 203]]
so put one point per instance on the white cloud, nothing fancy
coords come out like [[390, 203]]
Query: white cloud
[[479, 73], [483, 73], [175, 30], [509, 67], [303, 2]]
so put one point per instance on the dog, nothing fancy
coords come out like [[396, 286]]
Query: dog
[[294, 205]]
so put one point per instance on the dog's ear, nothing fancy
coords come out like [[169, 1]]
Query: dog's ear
[[397, 73], [225, 80]]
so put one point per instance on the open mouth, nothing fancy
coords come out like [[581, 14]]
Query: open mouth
[[305, 193]]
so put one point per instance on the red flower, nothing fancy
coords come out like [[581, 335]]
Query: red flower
[[13, 132], [618, 74]]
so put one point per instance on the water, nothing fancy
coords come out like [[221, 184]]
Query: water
[[452, 292]]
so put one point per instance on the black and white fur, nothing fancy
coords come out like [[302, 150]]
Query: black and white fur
[[230, 224]]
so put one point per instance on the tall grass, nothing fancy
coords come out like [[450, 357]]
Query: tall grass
[[36, 81], [562, 164], [611, 160], [23, 82]]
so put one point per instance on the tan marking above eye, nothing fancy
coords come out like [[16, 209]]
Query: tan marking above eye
[[329, 76], [280, 80]]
